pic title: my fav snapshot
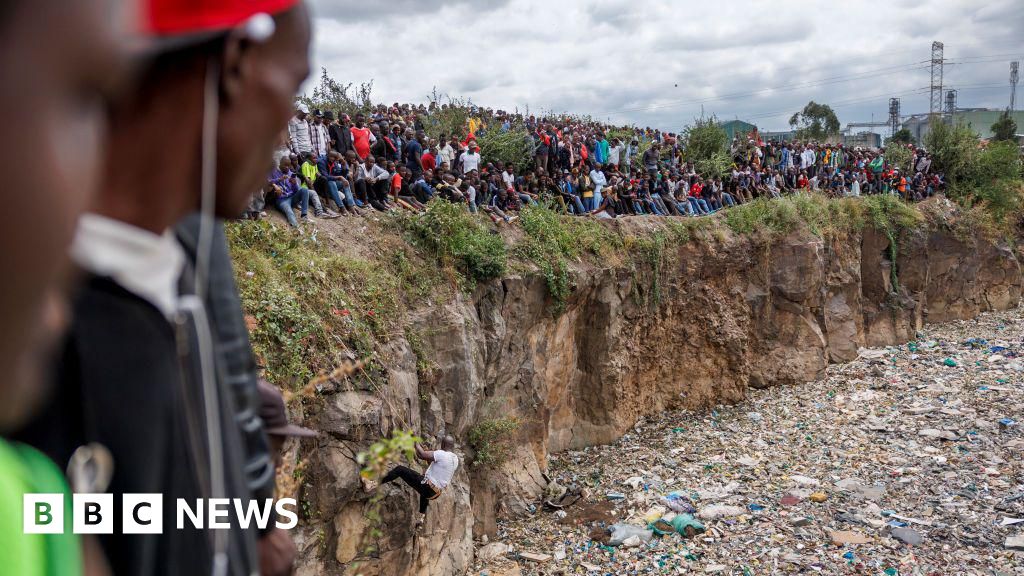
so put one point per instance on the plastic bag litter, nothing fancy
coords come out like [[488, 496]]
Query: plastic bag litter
[[654, 513], [678, 502], [621, 532], [686, 525]]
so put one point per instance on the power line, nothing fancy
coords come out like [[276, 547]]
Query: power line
[[909, 67], [783, 88], [842, 103], [983, 58]]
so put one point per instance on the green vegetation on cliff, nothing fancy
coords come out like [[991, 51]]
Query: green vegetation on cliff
[[312, 305], [310, 308]]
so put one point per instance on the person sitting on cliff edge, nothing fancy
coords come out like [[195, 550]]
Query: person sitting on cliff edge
[[431, 483]]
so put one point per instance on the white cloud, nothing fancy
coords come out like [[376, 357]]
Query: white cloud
[[657, 62]]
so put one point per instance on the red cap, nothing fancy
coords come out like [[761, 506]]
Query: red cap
[[185, 17]]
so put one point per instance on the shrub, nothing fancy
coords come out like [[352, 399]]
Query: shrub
[[552, 240], [459, 239], [953, 148], [899, 156], [515, 146], [447, 119], [705, 144], [330, 94], [492, 441]]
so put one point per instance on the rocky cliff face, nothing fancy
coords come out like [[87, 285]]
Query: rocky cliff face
[[712, 319]]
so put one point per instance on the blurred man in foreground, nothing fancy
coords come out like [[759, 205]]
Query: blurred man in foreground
[[53, 116], [146, 372]]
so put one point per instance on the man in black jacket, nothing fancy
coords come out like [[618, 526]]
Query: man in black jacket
[[341, 136], [155, 367]]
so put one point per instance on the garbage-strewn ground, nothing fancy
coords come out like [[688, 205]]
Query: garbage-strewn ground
[[905, 461]]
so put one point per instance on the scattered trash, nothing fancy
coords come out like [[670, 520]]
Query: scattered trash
[[844, 537], [920, 466], [654, 513], [492, 551], [719, 511], [621, 532], [934, 433], [949, 362], [686, 525], [907, 536], [678, 502]]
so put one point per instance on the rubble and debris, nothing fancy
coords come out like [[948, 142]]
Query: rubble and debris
[[919, 462]]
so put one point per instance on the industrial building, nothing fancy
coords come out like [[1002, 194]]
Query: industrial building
[[978, 119]]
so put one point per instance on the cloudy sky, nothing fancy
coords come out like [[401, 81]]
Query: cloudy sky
[[658, 62]]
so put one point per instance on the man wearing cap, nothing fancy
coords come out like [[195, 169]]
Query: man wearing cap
[[430, 484], [143, 373], [277, 554], [299, 135], [275, 420], [318, 135]]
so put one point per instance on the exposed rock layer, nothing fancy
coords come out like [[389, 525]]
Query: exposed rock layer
[[717, 317]]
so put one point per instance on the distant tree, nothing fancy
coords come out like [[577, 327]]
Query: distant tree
[[706, 144], [815, 122], [902, 136], [1005, 127], [330, 94]]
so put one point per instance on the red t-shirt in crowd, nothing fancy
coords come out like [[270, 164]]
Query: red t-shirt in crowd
[[696, 189], [361, 141], [428, 161], [396, 184]]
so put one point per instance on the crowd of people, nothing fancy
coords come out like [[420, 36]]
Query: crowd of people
[[383, 160]]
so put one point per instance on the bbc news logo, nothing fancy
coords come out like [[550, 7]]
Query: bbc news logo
[[144, 513]]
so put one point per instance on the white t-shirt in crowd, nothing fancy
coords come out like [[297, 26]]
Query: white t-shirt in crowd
[[470, 162], [441, 470], [613, 154]]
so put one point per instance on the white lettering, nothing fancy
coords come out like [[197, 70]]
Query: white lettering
[[253, 509], [195, 516], [218, 508], [286, 513]]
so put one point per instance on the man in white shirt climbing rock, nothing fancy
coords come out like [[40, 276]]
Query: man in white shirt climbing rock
[[431, 483]]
